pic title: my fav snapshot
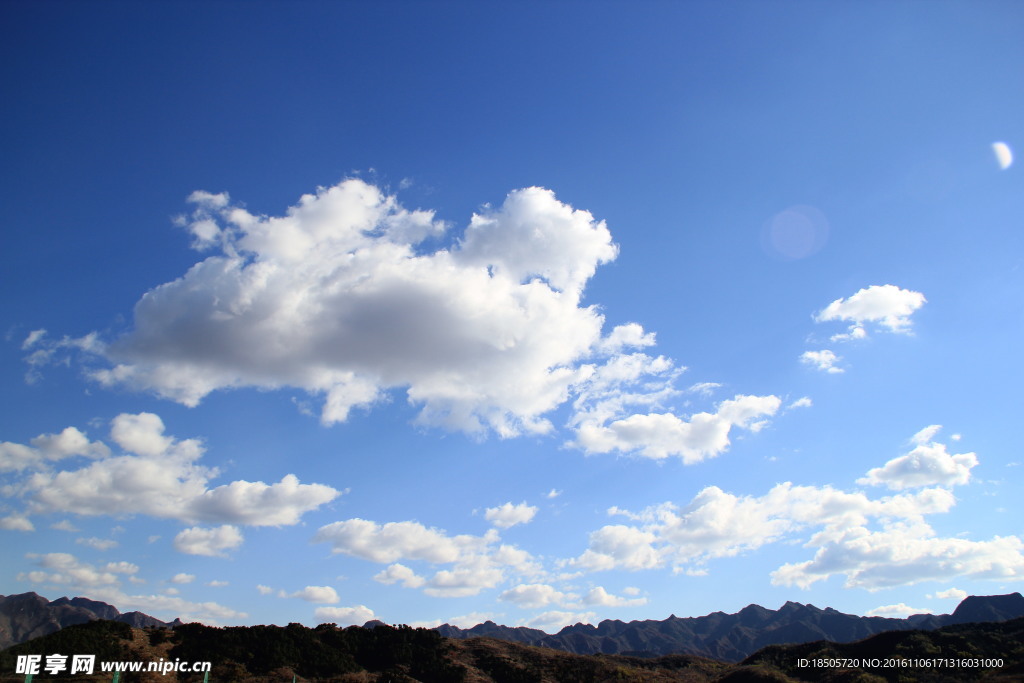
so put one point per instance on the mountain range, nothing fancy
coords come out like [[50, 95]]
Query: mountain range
[[28, 615], [961, 653], [732, 637], [719, 636]]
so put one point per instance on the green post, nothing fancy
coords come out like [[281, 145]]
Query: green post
[[28, 678], [117, 677], [206, 677]]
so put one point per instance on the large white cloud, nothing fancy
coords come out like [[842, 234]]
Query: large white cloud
[[340, 297], [158, 476], [353, 298]]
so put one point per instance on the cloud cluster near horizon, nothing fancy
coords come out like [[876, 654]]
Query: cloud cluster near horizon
[[874, 542], [345, 297]]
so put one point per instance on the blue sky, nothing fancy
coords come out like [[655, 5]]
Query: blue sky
[[531, 312]]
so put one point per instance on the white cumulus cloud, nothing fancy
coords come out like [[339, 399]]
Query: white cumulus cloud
[[344, 296], [824, 360], [533, 595], [213, 542], [338, 297], [897, 611], [874, 542], [160, 476], [598, 596], [950, 594], [928, 464], [476, 562], [16, 523], [887, 305], [399, 573], [324, 595], [508, 515], [345, 616], [660, 435], [555, 620]]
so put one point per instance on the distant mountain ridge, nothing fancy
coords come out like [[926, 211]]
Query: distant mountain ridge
[[720, 636], [733, 637], [29, 615]]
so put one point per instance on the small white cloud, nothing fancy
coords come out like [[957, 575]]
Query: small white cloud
[[16, 523], [183, 578], [660, 435], [264, 590], [217, 584], [47, 448], [824, 360], [899, 610], [925, 435], [928, 464], [630, 335], [704, 388], [33, 337], [598, 596], [66, 569], [210, 542], [399, 573], [887, 305], [324, 595], [533, 595], [950, 594], [553, 493], [345, 616], [804, 402], [508, 515], [388, 542], [122, 568], [64, 525], [97, 543], [555, 620], [620, 546]]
